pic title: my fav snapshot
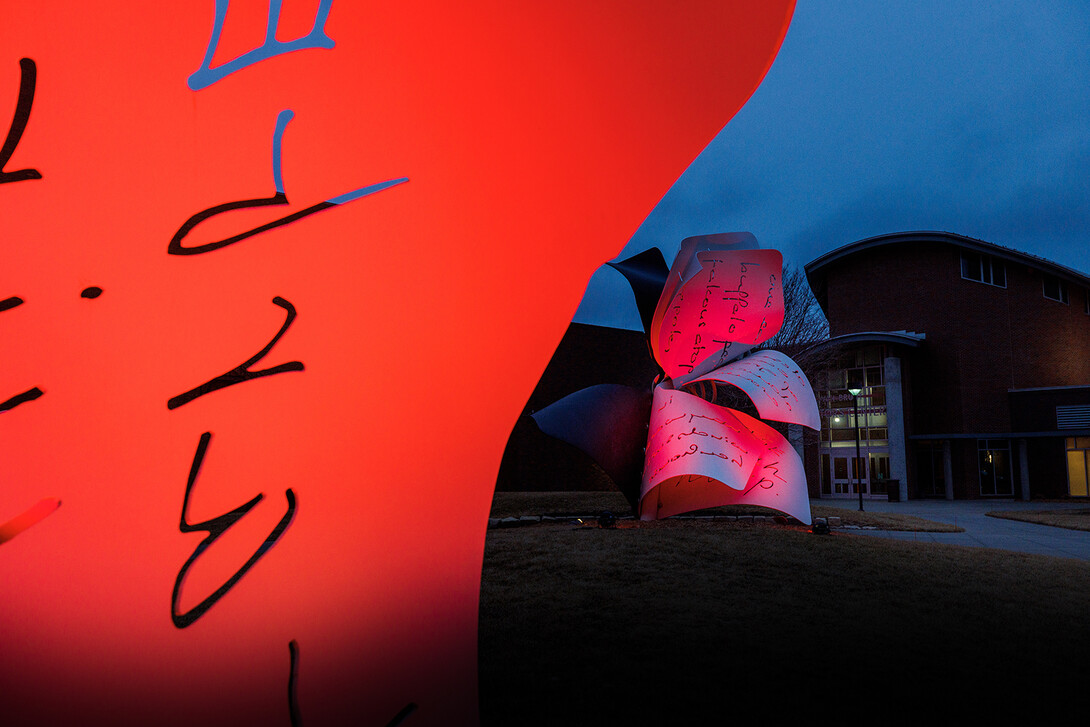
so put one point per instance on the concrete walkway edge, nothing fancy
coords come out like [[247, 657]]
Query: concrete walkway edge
[[980, 529]]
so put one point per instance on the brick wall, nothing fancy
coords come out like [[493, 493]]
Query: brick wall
[[982, 340]]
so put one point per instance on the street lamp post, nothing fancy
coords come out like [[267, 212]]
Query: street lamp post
[[858, 465]]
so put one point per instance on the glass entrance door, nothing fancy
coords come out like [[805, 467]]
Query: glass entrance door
[[842, 482], [870, 471]]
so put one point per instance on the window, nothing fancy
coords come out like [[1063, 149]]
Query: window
[[994, 458], [983, 269], [1055, 289], [1078, 466], [863, 368]]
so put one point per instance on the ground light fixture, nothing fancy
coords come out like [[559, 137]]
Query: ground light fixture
[[858, 468]]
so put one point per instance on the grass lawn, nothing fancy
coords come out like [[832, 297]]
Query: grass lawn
[[690, 621], [516, 504], [1070, 519]]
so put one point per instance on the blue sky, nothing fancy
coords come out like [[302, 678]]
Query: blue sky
[[876, 117]]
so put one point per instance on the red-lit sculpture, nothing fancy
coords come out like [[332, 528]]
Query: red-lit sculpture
[[237, 240], [721, 297]]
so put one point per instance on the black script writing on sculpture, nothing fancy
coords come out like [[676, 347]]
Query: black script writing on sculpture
[[27, 83], [216, 527], [242, 372]]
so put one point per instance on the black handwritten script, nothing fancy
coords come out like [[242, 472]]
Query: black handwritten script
[[215, 527], [702, 429], [24, 397], [280, 197], [293, 700], [27, 83], [242, 372], [33, 393], [725, 308], [30, 394], [775, 384], [13, 170], [24, 103], [700, 454], [720, 297], [207, 75]]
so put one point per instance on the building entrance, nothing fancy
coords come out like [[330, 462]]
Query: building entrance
[[870, 471], [845, 418]]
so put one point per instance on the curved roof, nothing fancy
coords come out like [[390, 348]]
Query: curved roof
[[815, 268], [903, 338]]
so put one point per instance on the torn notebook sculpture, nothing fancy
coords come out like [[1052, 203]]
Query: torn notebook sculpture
[[669, 449]]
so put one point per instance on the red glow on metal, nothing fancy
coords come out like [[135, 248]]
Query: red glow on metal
[[534, 138]]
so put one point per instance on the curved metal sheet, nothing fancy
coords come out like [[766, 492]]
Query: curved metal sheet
[[609, 423]]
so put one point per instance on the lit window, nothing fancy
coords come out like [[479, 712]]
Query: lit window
[[1055, 289], [983, 269]]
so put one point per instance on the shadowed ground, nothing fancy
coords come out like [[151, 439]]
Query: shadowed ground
[[665, 623]]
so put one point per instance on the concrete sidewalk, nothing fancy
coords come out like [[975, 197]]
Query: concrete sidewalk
[[980, 530]]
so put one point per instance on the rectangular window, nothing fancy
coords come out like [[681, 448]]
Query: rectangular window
[[1054, 288], [874, 376], [970, 266], [983, 269]]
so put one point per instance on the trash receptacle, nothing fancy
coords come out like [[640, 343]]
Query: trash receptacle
[[893, 490]]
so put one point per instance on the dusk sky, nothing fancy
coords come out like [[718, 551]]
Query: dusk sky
[[950, 115]]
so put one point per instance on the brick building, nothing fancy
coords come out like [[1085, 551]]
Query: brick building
[[973, 362]]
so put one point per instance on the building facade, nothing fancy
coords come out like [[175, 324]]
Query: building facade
[[972, 367]]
